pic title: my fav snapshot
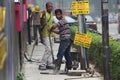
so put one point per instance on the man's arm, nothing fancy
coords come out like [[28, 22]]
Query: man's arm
[[56, 31], [42, 14], [53, 27]]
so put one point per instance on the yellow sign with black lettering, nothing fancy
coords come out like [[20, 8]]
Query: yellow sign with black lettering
[[82, 39], [2, 37], [2, 17], [80, 7], [2, 52]]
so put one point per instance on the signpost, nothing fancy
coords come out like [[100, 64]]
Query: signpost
[[80, 7]]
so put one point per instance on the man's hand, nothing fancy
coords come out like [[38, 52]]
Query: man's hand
[[43, 13], [52, 28], [49, 31], [55, 31]]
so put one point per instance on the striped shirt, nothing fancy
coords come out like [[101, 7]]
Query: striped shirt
[[63, 29]]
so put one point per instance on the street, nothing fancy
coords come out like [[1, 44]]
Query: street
[[113, 30]]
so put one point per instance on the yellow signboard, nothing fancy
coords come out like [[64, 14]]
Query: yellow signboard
[[2, 17], [2, 38], [2, 52], [80, 7], [82, 39]]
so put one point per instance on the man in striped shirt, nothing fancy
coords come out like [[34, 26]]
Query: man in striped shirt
[[65, 41]]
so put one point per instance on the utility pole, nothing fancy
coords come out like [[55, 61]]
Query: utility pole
[[81, 49], [105, 39], [82, 58], [81, 28], [118, 3]]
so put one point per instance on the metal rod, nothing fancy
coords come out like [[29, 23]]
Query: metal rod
[[81, 48], [105, 39], [29, 34]]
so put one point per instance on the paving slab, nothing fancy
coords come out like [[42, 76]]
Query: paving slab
[[32, 72]]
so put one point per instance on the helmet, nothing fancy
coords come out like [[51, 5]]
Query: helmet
[[37, 8]]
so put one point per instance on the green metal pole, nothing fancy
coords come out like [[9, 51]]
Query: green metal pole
[[81, 49]]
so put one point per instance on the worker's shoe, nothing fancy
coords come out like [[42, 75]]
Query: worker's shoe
[[42, 67], [67, 70], [57, 68], [50, 66]]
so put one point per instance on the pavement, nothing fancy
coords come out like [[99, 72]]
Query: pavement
[[31, 71]]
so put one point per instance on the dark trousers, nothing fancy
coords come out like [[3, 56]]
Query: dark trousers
[[64, 50], [39, 29]]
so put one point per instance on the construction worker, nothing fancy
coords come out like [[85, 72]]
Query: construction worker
[[47, 19], [36, 22], [65, 41]]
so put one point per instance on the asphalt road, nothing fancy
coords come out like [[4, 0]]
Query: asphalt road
[[113, 30]]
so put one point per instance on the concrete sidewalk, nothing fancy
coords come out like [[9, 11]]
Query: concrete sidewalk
[[32, 72]]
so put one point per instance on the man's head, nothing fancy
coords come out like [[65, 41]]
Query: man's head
[[49, 7], [58, 14]]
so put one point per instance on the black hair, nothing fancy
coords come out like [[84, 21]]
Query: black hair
[[48, 3], [58, 11]]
